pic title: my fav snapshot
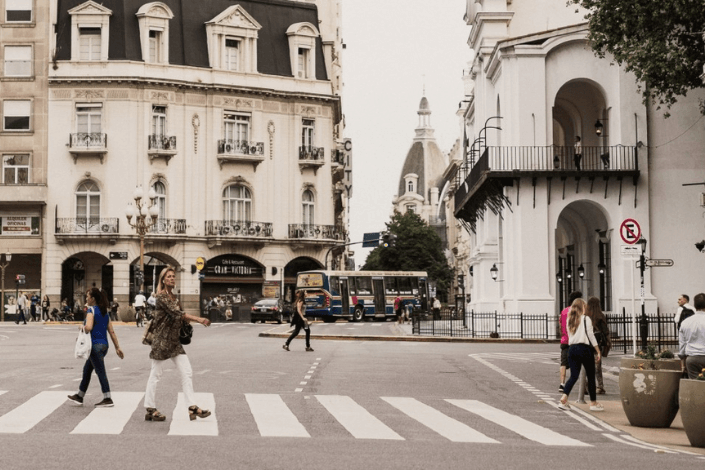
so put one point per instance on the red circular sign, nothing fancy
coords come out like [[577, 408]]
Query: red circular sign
[[630, 231]]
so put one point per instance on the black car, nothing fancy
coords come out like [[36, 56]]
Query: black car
[[270, 309]]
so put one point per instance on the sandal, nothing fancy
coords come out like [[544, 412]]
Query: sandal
[[154, 415], [195, 412]]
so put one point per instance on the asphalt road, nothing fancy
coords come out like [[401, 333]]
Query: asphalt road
[[350, 404]]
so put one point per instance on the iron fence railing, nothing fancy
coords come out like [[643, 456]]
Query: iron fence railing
[[94, 225], [311, 153], [317, 232], [659, 329], [169, 226], [162, 142], [227, 228], [88, 140], [240, 147]]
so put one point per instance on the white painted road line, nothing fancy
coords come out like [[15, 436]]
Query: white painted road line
[[447, 427], [273, 417], [181, 425], [30, 413], [357, 420], [517, 424], [110, 420]]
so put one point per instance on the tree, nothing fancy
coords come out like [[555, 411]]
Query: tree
[[417, 248], [661, 42]]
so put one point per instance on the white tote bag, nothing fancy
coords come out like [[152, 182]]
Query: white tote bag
[[83, 345]]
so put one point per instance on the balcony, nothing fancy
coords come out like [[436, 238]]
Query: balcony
[[23, 186], [226, 230], [240, 151], [85, 144], [161, 146], [82, 228], [337, 164], [311, 157], [316, 232], [480, 185], [168, 227]]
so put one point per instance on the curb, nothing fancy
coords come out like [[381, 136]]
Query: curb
[[422, 339]]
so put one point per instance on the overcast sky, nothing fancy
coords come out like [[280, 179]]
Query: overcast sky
[[393, 48]]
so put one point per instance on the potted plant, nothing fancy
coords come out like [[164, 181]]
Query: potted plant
[[648, 389], [652, 360], [692, 402]]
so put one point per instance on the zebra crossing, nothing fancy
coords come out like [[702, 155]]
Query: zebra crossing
[[551, 358], [275, 416]]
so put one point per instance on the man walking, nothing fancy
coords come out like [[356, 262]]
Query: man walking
[[691, 339], [140, 299], [564, 336], [684, 311]]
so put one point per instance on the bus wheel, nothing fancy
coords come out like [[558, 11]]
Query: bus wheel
[[358, 314]]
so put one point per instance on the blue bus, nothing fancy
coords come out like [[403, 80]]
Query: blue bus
[[359, 295]]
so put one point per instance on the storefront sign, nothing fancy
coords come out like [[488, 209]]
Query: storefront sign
[[232, 266], [19, 225]]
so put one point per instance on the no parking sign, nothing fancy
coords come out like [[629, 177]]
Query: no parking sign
[[630, 231]]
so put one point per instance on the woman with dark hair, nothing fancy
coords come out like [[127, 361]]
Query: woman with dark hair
[[97, 323], [299, 321], [580, 354], [602, 335], [166, 325], [45, 307]]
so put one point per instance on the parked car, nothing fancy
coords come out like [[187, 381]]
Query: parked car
[[270, 309]]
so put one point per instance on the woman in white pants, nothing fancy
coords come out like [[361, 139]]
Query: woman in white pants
[[168, 318]]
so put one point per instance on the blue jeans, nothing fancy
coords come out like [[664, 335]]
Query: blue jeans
[[95, 362], [581, 355]]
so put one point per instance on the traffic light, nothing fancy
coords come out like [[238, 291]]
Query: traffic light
[[388, 239], [19, 279], [461, 279]]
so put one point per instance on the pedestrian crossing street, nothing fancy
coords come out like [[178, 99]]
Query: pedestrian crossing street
[[273, 416]]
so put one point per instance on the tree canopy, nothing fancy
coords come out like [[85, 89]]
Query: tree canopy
[[660, 42], [417, 248]]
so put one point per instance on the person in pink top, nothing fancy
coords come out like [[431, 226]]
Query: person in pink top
[[564, 336]]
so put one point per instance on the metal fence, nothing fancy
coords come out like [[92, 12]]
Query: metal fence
[[658, 329]]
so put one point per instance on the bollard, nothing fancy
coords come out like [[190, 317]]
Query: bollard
[[643, 330], [581, 387]]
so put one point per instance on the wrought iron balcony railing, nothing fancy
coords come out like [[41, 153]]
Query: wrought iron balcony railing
[[169, 226], [243, 229], [317, 232], [162, 142], [93, 225], [311, 153], [240, 147], [337, 157], [88, 140]]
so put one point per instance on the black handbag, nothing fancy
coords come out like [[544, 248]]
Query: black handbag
[[185, 333]]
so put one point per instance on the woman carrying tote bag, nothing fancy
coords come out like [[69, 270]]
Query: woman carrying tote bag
[[166, 325]]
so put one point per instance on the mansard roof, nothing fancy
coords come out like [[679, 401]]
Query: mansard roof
[[187, 31]]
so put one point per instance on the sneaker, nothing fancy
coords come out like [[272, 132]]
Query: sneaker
[[106, 403], [597, 407], [309, 348], [285, 347], [561, 388], [563, 406], [76, 399]]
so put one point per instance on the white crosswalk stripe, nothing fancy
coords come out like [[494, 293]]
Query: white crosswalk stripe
[[541, 358], [517, 424], [110, 420], [273, 417], [276, 417], [30, 413], [357, 420]]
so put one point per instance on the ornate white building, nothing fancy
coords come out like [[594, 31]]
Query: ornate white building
[[229, 112], [547, 225]]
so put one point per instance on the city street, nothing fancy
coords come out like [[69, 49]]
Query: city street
[[350, 404]]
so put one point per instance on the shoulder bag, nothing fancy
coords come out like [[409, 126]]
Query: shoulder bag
[[185, 332], [148, 335]]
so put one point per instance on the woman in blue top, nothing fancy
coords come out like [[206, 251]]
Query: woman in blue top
[[97, 323]]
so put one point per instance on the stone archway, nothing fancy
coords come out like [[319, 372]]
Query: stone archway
[[154, 262], [583, 256], [82, 271], [292, 269]]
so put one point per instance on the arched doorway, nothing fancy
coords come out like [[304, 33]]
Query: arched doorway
[[81, 272], [583, 255], [292, 269], [236, 281], [154, 262]]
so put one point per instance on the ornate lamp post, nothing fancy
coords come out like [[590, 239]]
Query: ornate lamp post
[[145, 218], [8, 258]]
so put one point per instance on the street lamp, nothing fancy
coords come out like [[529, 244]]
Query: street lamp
[[8, 258], [601, 268], [581, 271], [494, 272], [145, 218]]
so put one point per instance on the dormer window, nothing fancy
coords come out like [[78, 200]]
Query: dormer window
[[410, 187], [154, 19], [411, 182], [302, 47], [90, 29], [232, 40]]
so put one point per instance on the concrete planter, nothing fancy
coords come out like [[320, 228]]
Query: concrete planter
[[649, 397], [659, 364], [692, 402]]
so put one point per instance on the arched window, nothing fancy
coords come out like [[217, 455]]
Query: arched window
[[308, 207], [411, 186], [87, 205], [237, 204], [160, 201]]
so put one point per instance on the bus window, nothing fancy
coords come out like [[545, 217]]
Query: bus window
[[333, 285], [390, 286], [352, 290], [415, 285], [364, 285], [404, 285]]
